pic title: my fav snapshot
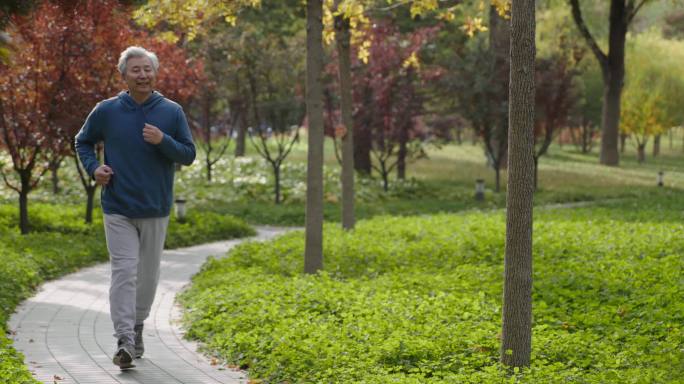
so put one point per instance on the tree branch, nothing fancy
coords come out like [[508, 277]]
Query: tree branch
[[634, 11], [582, 26]]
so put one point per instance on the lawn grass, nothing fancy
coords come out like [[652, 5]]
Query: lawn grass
[[417, 299]]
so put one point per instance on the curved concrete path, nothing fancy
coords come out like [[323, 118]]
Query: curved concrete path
[[65, 331]]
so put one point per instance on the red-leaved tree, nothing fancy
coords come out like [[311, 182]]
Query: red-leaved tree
[[387, 103], [30, 84]]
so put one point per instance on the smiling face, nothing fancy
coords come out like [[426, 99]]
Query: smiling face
[[140, 77]]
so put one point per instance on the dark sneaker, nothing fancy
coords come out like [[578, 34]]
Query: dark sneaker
[[139, 345], [124, 355]]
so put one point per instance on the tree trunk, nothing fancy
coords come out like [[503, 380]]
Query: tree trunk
[[90, 192], [313, 252], [517, 299], [385, 178], [401, 156], [276, 187], [497, 177], [611, 124], [613, 71], [209, 165], [641, 153], [363, 137], [536, 172], [623, 142], [241, 138], [613, 78], [24, 225], [656, 145], [342, 35], [362, 151], [499, 45], [54, 175]]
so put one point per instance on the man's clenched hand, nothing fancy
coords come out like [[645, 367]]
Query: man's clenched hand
[[152, 134], [103, 174]]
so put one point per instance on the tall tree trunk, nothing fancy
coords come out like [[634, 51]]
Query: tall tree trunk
[[362, 151], [241, 136], [656, 145], [401, 155], [517, 299], [497, 177], [363, 138], [343, 38], [54, 175], [276, 187], [24, 225], [313, 252], [499, 44], [641, 153], [611, 122], [536, 172], [613, 71], [90, 193]]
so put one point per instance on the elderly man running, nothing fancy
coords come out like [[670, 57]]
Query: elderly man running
[[144, 135]]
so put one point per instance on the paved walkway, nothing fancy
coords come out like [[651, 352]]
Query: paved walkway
[[65, 331]]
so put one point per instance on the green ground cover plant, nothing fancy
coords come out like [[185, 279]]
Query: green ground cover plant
[[417, 300], [61, 243]]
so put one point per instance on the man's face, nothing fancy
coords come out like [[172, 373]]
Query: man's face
[[140, 75]]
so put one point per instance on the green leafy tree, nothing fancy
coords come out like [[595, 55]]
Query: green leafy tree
[[652, 99], [612, 63]]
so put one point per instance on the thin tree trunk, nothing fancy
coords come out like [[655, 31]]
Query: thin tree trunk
[[517, 299], [241, 138], [362, 150], [276, 176], [54, 175], [342, 35], [641, 153], [623, 142], [24, 225], [313, 252], [497, 177], [656, 145], [401, 157], [363, 139]]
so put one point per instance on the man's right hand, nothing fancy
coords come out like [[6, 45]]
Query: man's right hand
[[103, 174]]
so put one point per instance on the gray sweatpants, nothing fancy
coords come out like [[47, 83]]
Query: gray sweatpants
[[135, 247]]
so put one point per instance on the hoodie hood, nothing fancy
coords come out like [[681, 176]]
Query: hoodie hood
[[128, 101]]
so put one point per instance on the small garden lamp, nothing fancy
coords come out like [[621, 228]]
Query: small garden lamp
[[479, 189], [180, 209], [660, 178]]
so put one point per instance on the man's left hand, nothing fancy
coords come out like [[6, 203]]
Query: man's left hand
[[152, 134]]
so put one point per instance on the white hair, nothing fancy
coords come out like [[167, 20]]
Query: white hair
[[134, 51]]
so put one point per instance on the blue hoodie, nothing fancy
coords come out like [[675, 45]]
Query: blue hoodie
[[142, 183]]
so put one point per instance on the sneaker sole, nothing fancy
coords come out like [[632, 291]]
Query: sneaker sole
[[122, 365]]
